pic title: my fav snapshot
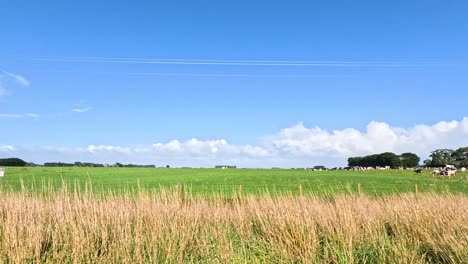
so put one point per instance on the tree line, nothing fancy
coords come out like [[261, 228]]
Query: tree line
[[16, 162], [438, 158], [120, 165], [96, 165], [76, 164], [385, 159], [441, 157]]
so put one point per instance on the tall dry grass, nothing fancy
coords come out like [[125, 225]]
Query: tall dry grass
[[72, 227]]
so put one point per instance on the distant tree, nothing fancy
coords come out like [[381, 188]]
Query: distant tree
[[381, 160], [119, 165], [320, 167], [460, 157], [12, 162], [58, 164], [167, 166], [441, 157], [389, 159], [354, 161], [409, 160]]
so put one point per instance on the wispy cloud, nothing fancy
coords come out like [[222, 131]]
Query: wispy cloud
[[7, 148], [17, 78], [82, 107], [19, 116], [8, 78]]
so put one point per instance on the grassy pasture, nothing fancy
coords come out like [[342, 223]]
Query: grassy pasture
[[146, 219], [208, 182]]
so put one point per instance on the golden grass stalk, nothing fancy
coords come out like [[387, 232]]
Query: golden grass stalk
[[81, 227]]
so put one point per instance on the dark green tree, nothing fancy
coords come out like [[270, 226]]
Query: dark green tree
[[409, 160], [381, 160], [460, 157], [441, 157], [388, 159], [12, 162]]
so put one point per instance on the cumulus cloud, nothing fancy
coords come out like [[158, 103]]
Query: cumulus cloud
[[19, 116], [193, 152], [294, 146], [113, 149], [196, 147], [378, 137]]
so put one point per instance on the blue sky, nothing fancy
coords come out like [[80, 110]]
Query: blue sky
[[103, 80]]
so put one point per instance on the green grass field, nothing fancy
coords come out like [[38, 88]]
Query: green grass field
[[124, 219], [226, 182]]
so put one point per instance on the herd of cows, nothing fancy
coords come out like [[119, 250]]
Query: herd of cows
[[448, 170], [359, 168]]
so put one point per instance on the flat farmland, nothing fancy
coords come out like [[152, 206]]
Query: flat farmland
[[208, 182], [140, 215]]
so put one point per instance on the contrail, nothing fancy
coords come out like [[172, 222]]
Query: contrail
[[203, 74], [233, 62]]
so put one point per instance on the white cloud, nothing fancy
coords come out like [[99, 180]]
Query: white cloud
[[193, 147], [17, 78], [378, 137], [209, 148], [112, 149], [290, 147], [193, 152], [82, 109], [19, 116], [7, 78], [7, 148]]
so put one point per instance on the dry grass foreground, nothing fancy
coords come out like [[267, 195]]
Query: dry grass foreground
[[161, 228]]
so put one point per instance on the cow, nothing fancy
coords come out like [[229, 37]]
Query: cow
[[449, 173], [444, 172], [463, 169], [435, 172], [419, 171], [359, 168]]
